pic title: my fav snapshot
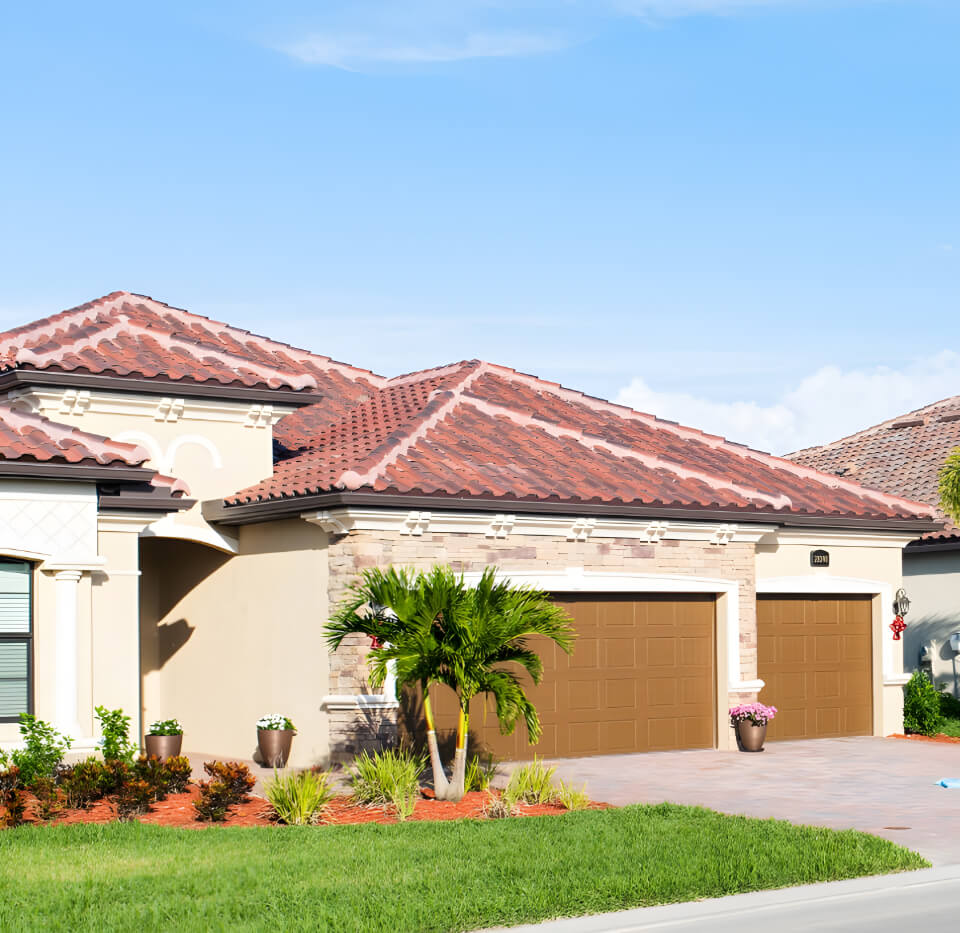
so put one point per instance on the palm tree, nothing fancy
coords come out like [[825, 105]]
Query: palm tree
[[437, 630], [950, 486]]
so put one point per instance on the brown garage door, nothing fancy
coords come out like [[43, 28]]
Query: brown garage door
[[641, 678], [814, 654]]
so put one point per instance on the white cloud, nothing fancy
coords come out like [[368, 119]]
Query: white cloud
[[352, 52], [824, 406]]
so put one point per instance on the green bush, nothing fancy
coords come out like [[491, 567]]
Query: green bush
[[571, 798], [231, 783], [300, 799], [43, 749], [389, 778], [133, 797], [48, 801], [949, 705], [178, 771], [115, 744], [921, 706]]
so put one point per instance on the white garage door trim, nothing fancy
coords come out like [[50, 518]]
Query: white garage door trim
[[811, 585], [578, 580]]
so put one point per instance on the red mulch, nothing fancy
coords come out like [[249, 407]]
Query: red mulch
[[177, 810], [939, 737]]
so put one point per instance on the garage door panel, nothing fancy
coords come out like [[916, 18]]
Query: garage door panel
[[583, 695], [661, 692], [619, 652], [662, 652], [818, 672], [620, 693], [664, 734]]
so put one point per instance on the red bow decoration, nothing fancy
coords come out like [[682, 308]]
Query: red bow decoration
[[897, 626], [377, 643]]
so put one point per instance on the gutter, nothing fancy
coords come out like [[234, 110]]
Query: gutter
[[215, 510]]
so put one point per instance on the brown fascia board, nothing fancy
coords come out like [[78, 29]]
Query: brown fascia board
[[141, 498], [923, 547], [156, 385], [73, 472], [214, 510]]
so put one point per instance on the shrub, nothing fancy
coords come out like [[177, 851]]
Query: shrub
[[949, 705], [115, 744], [114, 773], [532, 783], [231, 783], [237, 778], [571, 798], [43, 749], [151, 769], [499, 806], [178, 771], [133, 797], [478, 776], [390, 778], [82, 783], [300, 799], [47, 795], [13, 799], [921, 706], [214, 801]]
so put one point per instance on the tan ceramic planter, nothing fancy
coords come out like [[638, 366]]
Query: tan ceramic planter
[[163, 746], [275, 746]]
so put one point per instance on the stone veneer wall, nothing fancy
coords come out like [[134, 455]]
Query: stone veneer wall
[[348, 554]]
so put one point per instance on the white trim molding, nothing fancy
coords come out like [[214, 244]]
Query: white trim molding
[[813, 585], [578, 580], [168, 527], [571, 528], [358, 701]]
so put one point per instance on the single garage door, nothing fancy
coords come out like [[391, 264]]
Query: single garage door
[[641, 678], [814, 654]]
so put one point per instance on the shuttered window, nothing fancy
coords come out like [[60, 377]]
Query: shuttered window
[[16, 636]]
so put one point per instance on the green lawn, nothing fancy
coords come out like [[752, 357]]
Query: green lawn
[[417, 876]]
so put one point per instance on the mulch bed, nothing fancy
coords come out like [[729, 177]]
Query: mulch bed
[[939, 737], [177, 810]]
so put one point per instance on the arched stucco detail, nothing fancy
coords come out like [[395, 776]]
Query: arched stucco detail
[[145, 440], [200, 441], [202, 534]]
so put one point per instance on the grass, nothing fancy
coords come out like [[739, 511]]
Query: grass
[[951, 726], [416, 876]]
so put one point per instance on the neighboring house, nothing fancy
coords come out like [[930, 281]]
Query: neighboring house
[[694, 567], [903, 457]]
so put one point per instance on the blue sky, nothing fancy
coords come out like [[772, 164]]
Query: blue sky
[[743, 215]]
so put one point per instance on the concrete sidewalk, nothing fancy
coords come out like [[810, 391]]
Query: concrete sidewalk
[[920, 900]]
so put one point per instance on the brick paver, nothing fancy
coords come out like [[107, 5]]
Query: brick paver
[[881, 786]]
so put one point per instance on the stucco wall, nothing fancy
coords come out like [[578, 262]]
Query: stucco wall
[[225, 640], [351, 553], [932, 582]]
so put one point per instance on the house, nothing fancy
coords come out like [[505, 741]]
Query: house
[[903, 457], [182, 502]]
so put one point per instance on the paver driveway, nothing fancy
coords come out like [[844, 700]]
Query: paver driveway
[[882, 786]]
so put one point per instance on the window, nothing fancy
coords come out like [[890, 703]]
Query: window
[[16, 640]]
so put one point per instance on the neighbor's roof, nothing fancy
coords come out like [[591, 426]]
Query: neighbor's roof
[[123, 334], [901, 456], [474, 429]]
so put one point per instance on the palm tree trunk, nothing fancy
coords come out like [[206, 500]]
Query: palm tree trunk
[[456, 789], [440, 783]]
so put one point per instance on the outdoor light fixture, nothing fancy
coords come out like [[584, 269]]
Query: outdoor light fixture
[[901, 605]]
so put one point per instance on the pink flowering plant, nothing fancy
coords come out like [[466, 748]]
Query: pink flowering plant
[[755, 713]]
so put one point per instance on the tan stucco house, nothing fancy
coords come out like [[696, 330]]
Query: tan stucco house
[[181, 503], [903, 456]]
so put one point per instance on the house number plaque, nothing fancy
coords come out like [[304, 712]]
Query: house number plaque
[[819, 558]]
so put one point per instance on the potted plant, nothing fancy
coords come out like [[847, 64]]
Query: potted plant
[[275, 734], [164, 739], [750, 720]]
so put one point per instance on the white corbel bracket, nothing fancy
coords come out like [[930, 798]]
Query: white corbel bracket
[[655, 532], [724, 534], [581, 529], [416, 523], [169, 409], [501, 526], [333, 523]]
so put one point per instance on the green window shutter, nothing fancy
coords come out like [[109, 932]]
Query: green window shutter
[[15, 619], [14, 679]]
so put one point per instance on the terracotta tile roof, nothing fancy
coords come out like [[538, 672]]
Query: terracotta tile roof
[[133, 335], [901, 456], [26, 437], [476, 429]]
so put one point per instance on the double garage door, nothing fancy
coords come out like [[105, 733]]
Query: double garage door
[[643, 676]]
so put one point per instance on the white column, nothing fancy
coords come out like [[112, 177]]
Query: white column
[[67, 687]]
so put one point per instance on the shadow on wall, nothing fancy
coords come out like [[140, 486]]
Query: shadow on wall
[[944, 665], [171, 637]]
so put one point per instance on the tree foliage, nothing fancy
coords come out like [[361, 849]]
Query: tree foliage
[[949, 486]]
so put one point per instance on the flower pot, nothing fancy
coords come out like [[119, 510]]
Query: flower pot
[[275, 746], [163, 746], [750, 737]]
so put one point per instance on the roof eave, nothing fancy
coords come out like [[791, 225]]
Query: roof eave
[[155, 385], [216, 510]]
